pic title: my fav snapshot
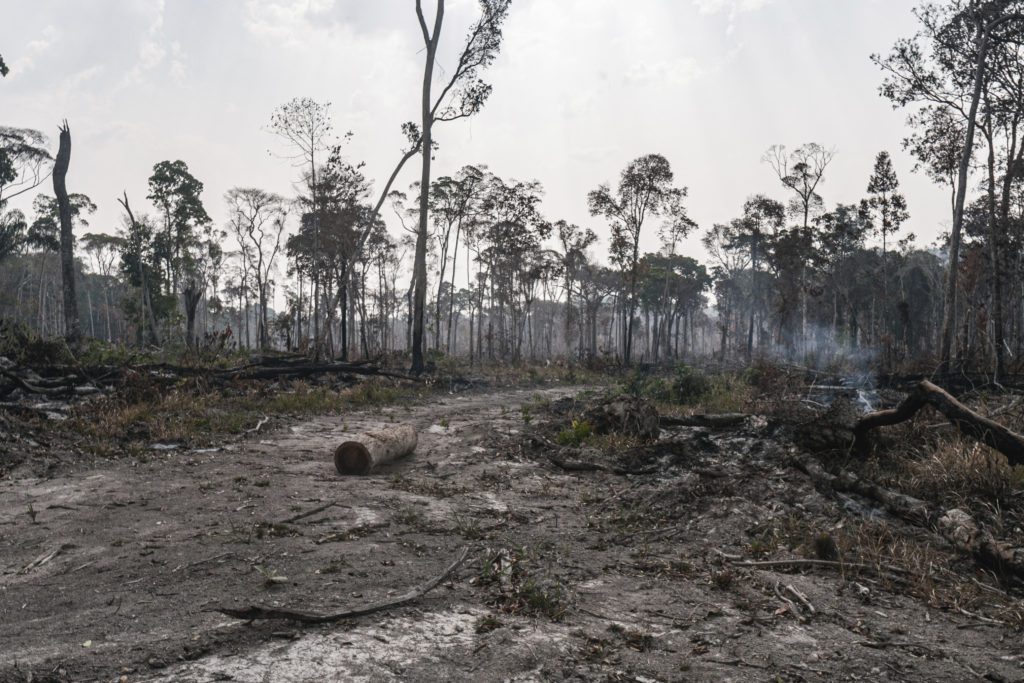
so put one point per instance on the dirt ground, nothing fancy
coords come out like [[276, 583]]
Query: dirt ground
[[110, 572]]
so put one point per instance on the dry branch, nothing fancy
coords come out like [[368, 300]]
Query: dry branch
[[970, 423], [254, 612]]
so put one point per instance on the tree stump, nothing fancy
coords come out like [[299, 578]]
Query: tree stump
[[627, 415], [367, 451]]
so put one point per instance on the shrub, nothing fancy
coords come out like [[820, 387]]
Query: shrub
[[576, 434], [689, 385]]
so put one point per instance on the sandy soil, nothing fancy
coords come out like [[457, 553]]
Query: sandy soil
[[110, 572]]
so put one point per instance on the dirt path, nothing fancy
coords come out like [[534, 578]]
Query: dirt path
[[108, 574]]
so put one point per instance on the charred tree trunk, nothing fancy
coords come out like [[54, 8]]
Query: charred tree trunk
[[72, 326], [193, 294]]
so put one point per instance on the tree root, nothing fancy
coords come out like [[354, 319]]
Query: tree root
[[254, 612]]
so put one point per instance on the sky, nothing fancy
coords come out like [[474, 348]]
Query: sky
[[581, 88]]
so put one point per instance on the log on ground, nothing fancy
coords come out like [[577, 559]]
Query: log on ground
[[367, 451]]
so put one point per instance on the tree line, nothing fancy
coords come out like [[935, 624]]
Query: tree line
[[474, 269]]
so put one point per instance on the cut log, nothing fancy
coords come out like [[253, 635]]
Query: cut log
[[372, 449], [970, 423]]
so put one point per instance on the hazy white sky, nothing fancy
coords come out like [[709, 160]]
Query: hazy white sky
[[580, 89]]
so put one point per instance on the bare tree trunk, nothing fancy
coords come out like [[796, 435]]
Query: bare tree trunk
[[72, 326], [427, 116]]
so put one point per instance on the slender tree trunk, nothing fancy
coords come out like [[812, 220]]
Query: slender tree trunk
[[426, 149], [949, 314]]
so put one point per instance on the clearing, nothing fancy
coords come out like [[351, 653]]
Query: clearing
[[110, 572]]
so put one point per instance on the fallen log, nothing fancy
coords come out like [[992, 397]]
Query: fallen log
[[960, 529], [712, 421], [254, 612], [969, 423], [899, 504], [955, 526], [361, 455]]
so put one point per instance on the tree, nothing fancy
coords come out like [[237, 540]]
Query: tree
[[802, 171], [644, 190], [257, 222], [104, 249], [138, 263], [889, 208], [841, 236], [176, 193], [762, 221], [463, 96], [72, 328], [44, 233], [305, 125], [24, 162], [12, 233], [3, 67], [946, 64], [575, 241], [454, 203]]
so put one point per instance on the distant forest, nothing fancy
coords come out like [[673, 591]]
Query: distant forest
[[478, 272]]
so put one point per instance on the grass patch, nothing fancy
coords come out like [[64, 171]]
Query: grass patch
[[576, 434]]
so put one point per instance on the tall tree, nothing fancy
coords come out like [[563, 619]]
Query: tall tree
[[802, 171], [644, 190], [72, 327], [257, 221], [138, 263], [889, 209], [454, 203], [177, 194], [305, 125], [763, 220], [462, 96]]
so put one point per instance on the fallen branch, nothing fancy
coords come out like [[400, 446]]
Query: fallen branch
[[715, 421], [307, 513], [955, 525], [798, 563], [899, 504], [970, 423], [254, 612]]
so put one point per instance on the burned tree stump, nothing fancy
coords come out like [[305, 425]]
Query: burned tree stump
[[369, 450], [627, 415], [970, 423]]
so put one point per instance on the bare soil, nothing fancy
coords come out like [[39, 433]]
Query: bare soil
[[109, 572]]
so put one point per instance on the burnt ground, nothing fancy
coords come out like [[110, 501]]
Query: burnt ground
[[110, 572]]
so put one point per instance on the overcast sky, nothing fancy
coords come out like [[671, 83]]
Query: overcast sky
[[581, 88]]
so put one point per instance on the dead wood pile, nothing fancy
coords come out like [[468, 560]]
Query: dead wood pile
[[46, 389]]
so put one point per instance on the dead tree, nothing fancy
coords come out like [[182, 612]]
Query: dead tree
[[72, 327], [970, 423]]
